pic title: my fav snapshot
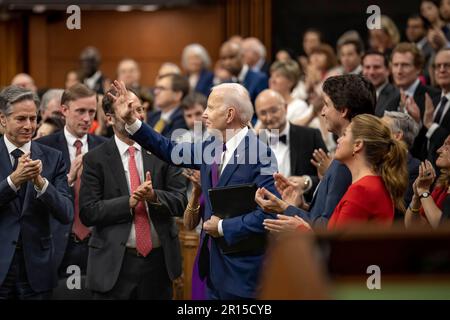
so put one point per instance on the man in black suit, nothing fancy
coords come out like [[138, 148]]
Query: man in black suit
[[436, 121], [169, 92], [376, 70], [78, 105], [90, 61], [131, 197], [406, 63], [33, 189], [292, 145]]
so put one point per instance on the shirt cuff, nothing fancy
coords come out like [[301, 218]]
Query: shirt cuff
[[309, 181], [134, 127], [431, 130], [11, 184], [219, 227], [40, 192]]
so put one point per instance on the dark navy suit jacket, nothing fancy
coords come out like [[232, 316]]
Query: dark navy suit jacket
[[176, 121], [237, 275], [32, 220], [255, 82], [60, 231], [329, 192], [205, 82]]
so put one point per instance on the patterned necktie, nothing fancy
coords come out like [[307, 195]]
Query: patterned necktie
[[159, 126], [440, 112], [78, 228], [141, 220], [17, 153]]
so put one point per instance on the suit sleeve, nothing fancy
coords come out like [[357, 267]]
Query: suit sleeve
[[6, 193], [184, 154], [173, 199], [94, 211], [57, 197], [319, 143], [338, 185], [240, 227]]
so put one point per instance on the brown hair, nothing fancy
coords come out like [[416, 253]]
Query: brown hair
[[327, 50], [387, 156], [289, 69], [75, 92], [405, 47]]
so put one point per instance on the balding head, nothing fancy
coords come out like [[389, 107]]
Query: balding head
[[271, 109], [231, 57], [253, 50], [128, 71], [25, 81]]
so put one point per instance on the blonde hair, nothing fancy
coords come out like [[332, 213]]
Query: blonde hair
[[387, 156], [391, 29]]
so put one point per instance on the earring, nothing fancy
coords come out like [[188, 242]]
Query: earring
[[353, 153]]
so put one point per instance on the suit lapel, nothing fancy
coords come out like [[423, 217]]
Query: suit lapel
[[148, 162], [6, 168], [64, 149], [36, 154], [239, 156], [115, 161]]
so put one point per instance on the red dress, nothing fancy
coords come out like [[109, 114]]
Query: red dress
[[366, 200]]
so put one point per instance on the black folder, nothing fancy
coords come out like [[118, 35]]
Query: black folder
[[232, 201]]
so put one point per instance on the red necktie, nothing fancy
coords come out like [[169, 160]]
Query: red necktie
[[141, 221], [78, 228]]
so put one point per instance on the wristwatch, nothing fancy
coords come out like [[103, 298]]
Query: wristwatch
[[425, 194]]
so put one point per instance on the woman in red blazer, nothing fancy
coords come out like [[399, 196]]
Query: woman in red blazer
[[377, 163]]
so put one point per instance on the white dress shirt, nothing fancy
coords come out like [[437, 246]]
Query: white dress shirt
[[90, 82], [25, 148], [125, 156], [282, 151], [70, 138]]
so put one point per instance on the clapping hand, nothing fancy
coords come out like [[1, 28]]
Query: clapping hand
[[144, 192], [285, 223], [321, 161], [269, 202], [425, 179]]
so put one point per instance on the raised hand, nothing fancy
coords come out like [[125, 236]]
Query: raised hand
[[321, 161], [75, 169], [122, 102], [426, 177], [413, 109], [429, 111], [269, 202], [26, 170], [285, 223]]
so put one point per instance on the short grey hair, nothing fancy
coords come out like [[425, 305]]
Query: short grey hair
[[237, 96], [14, 94], [256, 45], [403, 122], [49, 96], [199, 51]]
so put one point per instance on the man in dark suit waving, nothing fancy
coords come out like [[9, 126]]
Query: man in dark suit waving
[[33, 189], [235, 156], [131, 197]]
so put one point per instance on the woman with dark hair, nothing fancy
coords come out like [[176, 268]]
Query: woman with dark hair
[[377, 163], [431, 208]]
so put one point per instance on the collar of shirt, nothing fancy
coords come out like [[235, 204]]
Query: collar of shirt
[[166, 115], [234, 142], [412, 88], [70, 138], [11, 147], [243, 73], [123, 147], [258, 65], [90, 82], [421, 43], [284, 132], [380, 88], [357, 70]]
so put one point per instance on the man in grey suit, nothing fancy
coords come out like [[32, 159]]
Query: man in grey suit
[[130, 198]]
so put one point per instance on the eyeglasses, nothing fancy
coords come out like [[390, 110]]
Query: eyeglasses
[[437, 66], [157, 89]]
